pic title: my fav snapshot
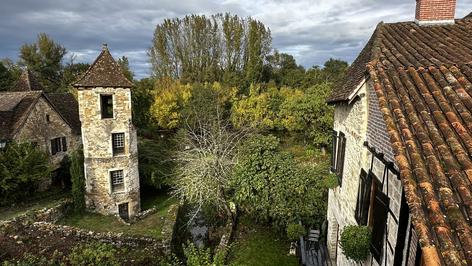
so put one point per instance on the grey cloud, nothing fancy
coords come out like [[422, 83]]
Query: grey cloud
[[312, 30]]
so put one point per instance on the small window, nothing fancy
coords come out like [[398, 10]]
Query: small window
[[117, 181], [106, 106], [48, 119], [118, 142], [3, 144], [58, 145]]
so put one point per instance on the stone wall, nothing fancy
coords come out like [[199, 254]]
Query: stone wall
[[98, 152], [352, 121], [38, 129], [361, 121]]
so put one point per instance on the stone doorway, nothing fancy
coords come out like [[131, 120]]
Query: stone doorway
[[123, 211]]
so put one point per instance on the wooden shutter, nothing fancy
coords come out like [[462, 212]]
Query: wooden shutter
[[380, 213], [334, 151], [53, 146], [363, 198], [340, 157], [64, 144]]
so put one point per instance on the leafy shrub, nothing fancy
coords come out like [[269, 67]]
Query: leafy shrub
[[78, 180], [270, 185], [355, 242], [295, 231], [155, 165], [22, 167], [93, 254], [331, 181], [197, 256]]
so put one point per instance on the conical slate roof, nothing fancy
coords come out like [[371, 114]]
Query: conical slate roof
[[27, 82], [104, 72]]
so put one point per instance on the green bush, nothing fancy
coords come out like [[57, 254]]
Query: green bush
[[197, 256], [22, 167], [93, 254], [155, 165], [355, 242], [78, 180], [295, 231]]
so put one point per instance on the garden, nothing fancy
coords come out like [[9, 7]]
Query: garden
[[233, 156]]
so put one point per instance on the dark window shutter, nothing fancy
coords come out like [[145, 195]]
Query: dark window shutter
[[64, 144], [380, 222], [55, 146], [340, 157], [334, 151], [363, 198]]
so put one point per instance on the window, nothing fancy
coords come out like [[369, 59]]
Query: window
[[48, 118], [3, 144], [58, 145], [118, 143], [363, 198], [379, 223], [117, 181], [337, 156], [106, 102]]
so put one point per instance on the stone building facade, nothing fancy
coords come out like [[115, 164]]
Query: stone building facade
[[37, 117], [109, 139], [361, 122], [401, 143]]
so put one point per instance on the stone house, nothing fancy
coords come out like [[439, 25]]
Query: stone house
[[49, 120], [402, 142], [109, 139]]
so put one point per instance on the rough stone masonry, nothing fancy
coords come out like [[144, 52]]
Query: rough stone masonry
[[105, 79]]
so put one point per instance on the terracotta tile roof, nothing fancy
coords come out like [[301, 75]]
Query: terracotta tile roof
[[104, 72], [16, 106], [27, 82], [423, 80], [68, 108], [468, 16], [356, 72]]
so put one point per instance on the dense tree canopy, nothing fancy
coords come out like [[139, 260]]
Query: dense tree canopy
[[45, 58], [271, 185], [201, 48], [22, 167]]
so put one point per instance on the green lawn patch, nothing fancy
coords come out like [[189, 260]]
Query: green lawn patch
[[257, 245], [41, 200], [150, 226]]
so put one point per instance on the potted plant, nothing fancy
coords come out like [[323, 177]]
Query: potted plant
[[355, 242]]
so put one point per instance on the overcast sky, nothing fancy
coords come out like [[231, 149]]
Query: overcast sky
[[313, 31]]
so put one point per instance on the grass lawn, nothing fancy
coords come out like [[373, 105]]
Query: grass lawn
[[257, 245], [151, 226], [40, 200]]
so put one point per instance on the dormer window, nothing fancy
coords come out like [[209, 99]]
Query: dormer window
[[106, 102]]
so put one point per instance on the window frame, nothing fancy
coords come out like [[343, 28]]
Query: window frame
[[114, 186], [118, 150], [104, 105], [58, 145]]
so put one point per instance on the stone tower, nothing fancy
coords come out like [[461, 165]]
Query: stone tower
[[109, 139]]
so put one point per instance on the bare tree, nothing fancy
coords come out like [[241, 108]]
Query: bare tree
[[205, 162]]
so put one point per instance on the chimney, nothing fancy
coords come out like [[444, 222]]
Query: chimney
[[434, 12]]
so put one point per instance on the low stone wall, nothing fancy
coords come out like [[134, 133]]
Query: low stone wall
[[49, 215], [43, 222]]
